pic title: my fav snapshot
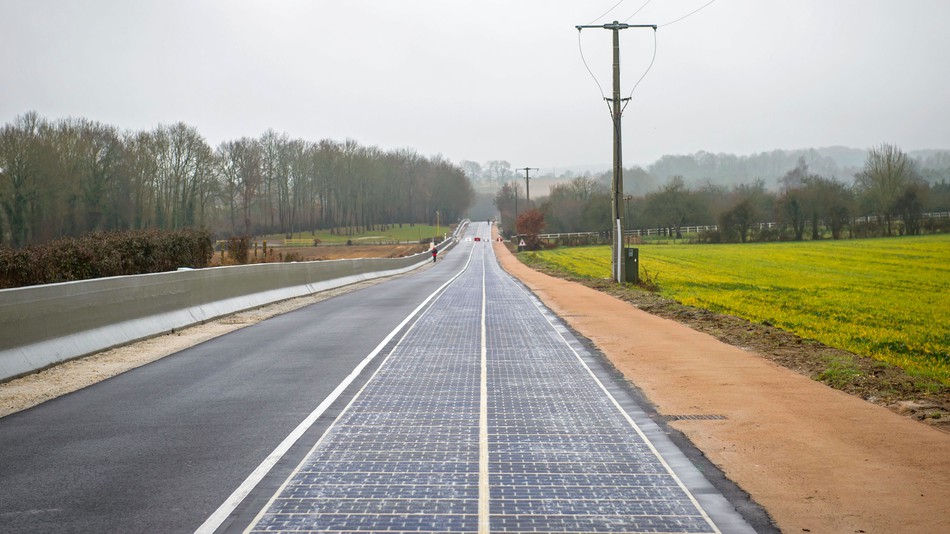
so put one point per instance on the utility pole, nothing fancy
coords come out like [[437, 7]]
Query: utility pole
[[516, 206], [527, 188], [616, 188]]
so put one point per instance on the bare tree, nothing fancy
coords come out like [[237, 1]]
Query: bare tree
[[19, 155], [672, 205], [76, 175], [887, 172]]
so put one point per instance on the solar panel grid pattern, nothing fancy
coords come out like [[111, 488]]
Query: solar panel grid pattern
[[563, 458], [404, 456]]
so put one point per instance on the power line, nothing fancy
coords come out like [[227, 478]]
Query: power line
[[581, 49], [650, 66], [637, 11], [688, 15], [607, 12]]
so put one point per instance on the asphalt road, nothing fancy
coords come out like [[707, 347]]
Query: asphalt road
[[547, 434], [490, 416], [159, 448]]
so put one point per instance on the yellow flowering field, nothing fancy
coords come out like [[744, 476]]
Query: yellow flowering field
[[884, 298]]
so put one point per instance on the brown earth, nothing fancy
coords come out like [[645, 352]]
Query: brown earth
[[817, 459], [341, 252], [331, 252]]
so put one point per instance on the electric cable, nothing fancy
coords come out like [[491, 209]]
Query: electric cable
[[650, 66], [645, 4], [687, 15], [581, 49], [606, 12]]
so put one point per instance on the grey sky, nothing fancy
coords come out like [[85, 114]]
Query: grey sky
[[490, 79]]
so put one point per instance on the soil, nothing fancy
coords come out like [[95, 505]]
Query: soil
[[334, 252], [815, 458], [340, 252]]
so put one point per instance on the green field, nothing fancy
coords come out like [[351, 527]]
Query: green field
[[884, 298], [394, 233]]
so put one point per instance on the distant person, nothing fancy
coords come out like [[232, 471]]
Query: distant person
[[435, 254]]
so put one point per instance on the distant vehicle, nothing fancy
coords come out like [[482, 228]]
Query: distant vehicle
[[478, 239]]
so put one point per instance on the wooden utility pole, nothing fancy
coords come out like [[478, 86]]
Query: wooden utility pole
[[616, 187], [527, 188]]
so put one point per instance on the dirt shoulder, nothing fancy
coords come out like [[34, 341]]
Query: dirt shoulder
[[817, 459]]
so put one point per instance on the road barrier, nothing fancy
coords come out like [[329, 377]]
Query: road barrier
[[44, 325]]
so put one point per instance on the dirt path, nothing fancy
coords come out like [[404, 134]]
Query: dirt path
[[817, 459]]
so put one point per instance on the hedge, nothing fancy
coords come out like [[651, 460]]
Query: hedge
[[102, 254]]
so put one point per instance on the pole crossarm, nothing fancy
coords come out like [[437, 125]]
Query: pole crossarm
[[615, 26]]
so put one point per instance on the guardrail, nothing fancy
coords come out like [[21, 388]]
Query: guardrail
[[44, 325]]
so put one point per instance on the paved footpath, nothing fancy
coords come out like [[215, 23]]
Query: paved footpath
[[488, 417]]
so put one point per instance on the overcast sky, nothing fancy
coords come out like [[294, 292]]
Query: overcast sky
[[491, 79]]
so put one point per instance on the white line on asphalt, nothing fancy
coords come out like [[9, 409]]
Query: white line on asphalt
[[483, 487], [231, 503]]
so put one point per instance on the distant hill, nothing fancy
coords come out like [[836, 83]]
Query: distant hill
[[719, 169], [837, 161]]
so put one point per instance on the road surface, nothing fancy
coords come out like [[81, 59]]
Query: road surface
[[449, 400]]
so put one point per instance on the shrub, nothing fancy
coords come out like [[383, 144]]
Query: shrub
[[768, 234], [709, 236], [530, 224], [239, 249]]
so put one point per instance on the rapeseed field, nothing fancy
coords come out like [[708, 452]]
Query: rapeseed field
[[884, 298]]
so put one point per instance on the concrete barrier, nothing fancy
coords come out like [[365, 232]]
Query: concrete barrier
[[44, 325]]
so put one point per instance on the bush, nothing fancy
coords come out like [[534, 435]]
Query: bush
[[530, 224], [239, 249], [768, 235], [102, 254], [709, 237], [936, 225]]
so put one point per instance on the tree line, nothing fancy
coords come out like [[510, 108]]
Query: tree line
[[72, 176], [888, 196]]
